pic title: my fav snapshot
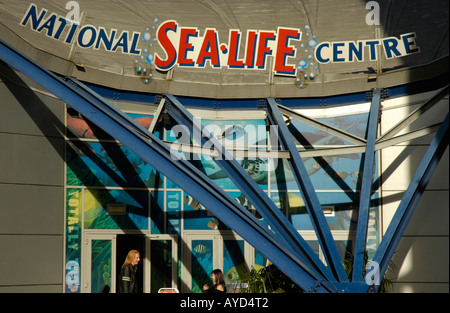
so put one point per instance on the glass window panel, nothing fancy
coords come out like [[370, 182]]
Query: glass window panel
[[161, 264], [173, 211], [234, 267], [260, 260], [108, 164], [96, 215], [202, 264], [281, 175], [257, 169], [100, 266], [297, 213], [196, 216], [157, 212]]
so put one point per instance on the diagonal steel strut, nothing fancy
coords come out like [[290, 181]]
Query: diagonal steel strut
[[366, 187], [309, 195], [410, 200], [155, 152], [259, 199]]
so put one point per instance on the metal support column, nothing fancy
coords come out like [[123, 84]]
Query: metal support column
[[366, 187]]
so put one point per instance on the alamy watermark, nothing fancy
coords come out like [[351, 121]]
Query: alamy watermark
[[225, 142], [74, 14], [373, 274], [373, 17]]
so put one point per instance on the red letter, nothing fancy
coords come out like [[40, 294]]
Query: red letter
[[209, 49], [263, 50], [167, 46], [185, 46], [233, 45], [250, 48], [283, 50]]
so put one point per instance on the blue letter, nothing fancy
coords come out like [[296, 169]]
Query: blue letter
[[408, 43], [32, 12], [357, 52], [91, 40], [103, 37], [318, 52], [122, 42], [133, 49], [60, 28], [49, 24], [337, 52], [373, 52], [390, 45]]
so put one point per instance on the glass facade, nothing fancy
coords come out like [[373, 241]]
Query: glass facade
[[110, 189]]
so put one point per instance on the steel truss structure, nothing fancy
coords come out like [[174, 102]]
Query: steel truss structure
[[281, 242]]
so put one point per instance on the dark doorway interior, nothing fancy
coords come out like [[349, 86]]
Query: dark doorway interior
[[125, 243]]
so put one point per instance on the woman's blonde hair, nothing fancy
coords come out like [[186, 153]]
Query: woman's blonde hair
[[130, 258]]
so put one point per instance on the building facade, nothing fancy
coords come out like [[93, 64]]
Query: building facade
[[76, 199]]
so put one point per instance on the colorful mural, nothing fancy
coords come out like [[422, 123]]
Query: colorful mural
[[101, 266]]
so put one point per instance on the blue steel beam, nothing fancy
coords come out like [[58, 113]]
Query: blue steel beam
[[309, 195], [156, 153], [414, 115], [410, 200], [94, 97], [366, 187], [322, 126], [130, 123], [251, 190]]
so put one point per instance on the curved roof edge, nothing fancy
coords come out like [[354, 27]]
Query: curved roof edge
[[416, 87]]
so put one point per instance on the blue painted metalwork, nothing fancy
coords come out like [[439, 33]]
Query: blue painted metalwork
[[251, 190], [292, 103], [309, 195], [95, 98], [282, 250], [185, 175], [410, 200], [414, 115], [366, 187]]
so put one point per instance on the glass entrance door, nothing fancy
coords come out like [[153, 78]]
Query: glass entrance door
[[204, 252], [99, 266], [202, 261], [161, 262], [159, 257], [235, 267]]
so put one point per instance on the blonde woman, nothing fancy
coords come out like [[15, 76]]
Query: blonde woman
[[127, 282]]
